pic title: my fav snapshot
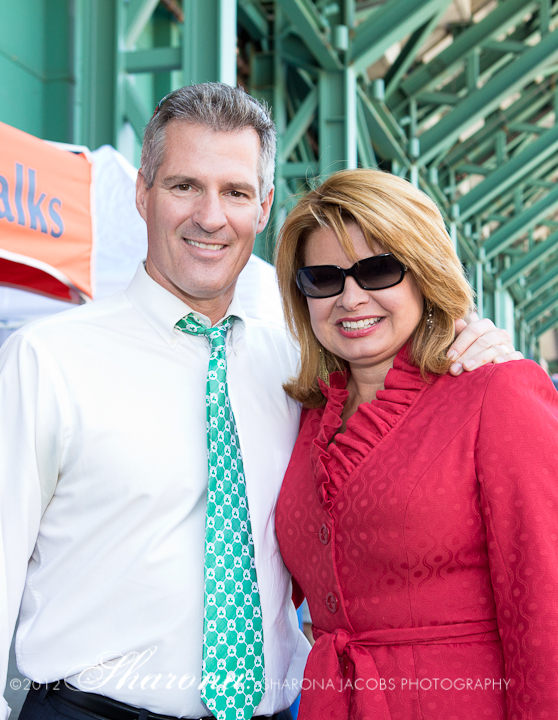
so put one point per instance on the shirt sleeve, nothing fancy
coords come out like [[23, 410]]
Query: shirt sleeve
[[30, 425], [516, 456]]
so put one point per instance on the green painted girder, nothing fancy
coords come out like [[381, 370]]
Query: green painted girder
[[409, 53], [506, 15], [532, 98], [306, 22], [509, 174], [138, 14], [135, 109], [544, 307], [387, 136], [514, 228], [253, 19], [388, 24], [529, 260], [159, 59], [201, 63], [527, 306], [549, 324], [437, 98], [337, 120], [299, 124], [531, 191], [526, 34], [551, 282], [298, 170], [365, 147], [482, 101]]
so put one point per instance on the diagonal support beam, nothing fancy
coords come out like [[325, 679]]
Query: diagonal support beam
[[498, 21], [509, 174], [529, 260], [305, 20], [409, 53], [383, 129], [299, 124], [550, 324], [549, 304], [541, 285], [481, 102], [505, 235], [388, 25], [138, 15]]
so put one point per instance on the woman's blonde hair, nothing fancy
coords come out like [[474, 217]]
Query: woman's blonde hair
[[391, 213]]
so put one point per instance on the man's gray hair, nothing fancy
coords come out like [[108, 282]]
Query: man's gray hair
[[216, 106]]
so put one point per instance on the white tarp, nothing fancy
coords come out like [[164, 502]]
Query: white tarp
[[120, 243]]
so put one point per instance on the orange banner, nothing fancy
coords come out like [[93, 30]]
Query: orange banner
[[46, 234]]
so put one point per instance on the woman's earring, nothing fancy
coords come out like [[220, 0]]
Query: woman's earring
[[429, 316], [323, 373]]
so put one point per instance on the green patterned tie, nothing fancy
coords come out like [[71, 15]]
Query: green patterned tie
[[232, 666]]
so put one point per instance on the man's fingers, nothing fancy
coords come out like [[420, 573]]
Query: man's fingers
[[480, 332]]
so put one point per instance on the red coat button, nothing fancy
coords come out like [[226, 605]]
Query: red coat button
[[324, 534], [331, 602]]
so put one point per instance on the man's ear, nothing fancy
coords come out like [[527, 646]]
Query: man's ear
[[141, 194], [266, 204]]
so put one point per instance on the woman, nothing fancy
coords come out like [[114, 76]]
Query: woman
[[418, 512]]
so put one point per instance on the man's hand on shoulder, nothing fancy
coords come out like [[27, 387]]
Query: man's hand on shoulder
[[479, 342]]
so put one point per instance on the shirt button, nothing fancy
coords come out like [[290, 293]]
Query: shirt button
[[331, 602], [324, 534]]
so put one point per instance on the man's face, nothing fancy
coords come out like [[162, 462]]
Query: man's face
[[202, 213]]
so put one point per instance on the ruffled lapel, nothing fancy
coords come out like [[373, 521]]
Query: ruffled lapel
[[333, 462]]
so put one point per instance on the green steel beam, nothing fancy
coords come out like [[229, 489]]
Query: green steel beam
[[365, 148], [389, 24], [95, 67], [529, 260], [138, 14], [549, 304], [530, 189], [136, 111], [299, 124], [498, 21], [480, 102], [386, 134], [508, 233], [157, 59], [409, 53], [201, 63], [509, 174], [530, 100], [299, 170], [535, 303], [491, 63], [550, 324], [306, 23], [253, 19], [540, 285], [337, 121]]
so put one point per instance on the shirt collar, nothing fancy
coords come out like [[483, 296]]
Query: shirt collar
[[163, 309]]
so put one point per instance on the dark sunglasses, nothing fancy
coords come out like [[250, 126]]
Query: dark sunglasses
[[373, 273]]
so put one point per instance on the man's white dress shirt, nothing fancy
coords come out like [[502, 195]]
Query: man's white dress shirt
[[103, 480]]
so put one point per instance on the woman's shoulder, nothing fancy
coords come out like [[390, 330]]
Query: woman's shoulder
[[505, 384]]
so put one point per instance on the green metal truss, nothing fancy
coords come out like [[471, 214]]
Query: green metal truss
[[465, 109]]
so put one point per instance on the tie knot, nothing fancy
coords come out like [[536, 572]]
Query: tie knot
[[215, 335]]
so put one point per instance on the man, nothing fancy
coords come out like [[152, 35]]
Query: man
[[104, 464]]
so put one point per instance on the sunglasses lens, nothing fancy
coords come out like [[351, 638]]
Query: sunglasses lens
[[320, 281], [379, 272]]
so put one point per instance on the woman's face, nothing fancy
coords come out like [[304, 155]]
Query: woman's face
[[386, 318]]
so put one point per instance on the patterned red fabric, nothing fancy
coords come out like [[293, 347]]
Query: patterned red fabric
[[425, 538]]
